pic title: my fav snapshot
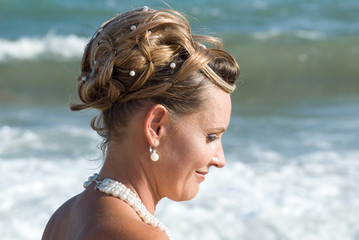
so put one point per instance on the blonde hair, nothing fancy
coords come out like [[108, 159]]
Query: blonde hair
[[146, 42]]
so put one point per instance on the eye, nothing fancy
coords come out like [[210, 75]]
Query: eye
[[212, 137]]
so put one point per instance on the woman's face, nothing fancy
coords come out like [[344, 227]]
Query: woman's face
[[192, 146]]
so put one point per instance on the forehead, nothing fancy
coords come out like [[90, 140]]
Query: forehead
[[217, 108], [213, 115]]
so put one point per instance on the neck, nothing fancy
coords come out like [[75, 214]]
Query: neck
[[124, 165]]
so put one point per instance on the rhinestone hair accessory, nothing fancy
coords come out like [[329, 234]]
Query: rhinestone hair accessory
[[83, 78]]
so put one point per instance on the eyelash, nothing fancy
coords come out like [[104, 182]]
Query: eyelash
[[212, 137]]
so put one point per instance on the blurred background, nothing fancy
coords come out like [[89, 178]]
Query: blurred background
[[292, 147]]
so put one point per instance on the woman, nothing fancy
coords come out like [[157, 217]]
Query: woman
[[164, 100]]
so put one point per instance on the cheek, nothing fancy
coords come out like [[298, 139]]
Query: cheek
[[184, 157], [194, 155], [191, 148]]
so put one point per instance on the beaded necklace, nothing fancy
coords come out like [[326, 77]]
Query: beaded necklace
[[120, 191]]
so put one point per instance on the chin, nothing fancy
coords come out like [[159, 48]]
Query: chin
[[186, 195]]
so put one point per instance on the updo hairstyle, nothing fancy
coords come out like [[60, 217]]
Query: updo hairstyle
[[146, 57]]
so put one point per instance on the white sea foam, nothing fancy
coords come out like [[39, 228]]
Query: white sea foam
[[61, 141], [267, 34], [297, 201], [275, 33], [34, 189], [310, 35], [49, 45], [15, 138]]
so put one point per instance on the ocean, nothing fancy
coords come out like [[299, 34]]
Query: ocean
[[292, 147]]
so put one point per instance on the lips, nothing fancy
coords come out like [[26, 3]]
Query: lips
[[201, 175]]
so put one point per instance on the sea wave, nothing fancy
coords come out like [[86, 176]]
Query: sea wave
[[55, 46], [318, 197], [56, 141], [299, 34], [50, 45]]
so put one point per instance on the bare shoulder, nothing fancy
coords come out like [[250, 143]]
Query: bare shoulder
[[59, 221], [93, 215], [119, 221]]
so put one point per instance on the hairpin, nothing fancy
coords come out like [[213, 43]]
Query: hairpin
[[173, 65], [100, 29], [83, 78], [132, 73], [203, 46], [93, 69], [145, 9], [133, 27]]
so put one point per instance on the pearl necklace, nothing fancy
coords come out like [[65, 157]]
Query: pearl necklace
[[120, 191]]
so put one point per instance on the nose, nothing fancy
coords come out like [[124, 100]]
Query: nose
[[219, 160]]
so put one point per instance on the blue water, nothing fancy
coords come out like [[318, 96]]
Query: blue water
[[36, 17], [292, 146]]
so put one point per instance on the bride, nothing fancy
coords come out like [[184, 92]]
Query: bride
[[164, 103]]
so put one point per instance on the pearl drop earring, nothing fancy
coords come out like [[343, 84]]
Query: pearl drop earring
[[154, 156]]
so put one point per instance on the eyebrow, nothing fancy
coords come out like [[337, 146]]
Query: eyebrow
[[219, 129]]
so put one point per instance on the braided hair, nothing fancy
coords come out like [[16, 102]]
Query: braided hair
[[147, 56]]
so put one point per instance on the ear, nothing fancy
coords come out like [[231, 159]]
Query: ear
[[156, 120]]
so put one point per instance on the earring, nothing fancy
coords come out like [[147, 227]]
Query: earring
[[154, 156]]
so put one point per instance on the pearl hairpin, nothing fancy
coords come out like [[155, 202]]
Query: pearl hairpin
[[203, 46], [173, 65], [133, 27], [145, 9], [132, 73], [84, 78]]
